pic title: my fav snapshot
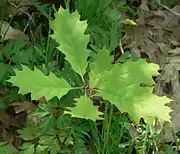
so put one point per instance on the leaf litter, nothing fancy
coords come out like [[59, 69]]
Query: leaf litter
[[157, 38]]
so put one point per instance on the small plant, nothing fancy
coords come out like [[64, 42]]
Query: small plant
[[5, 148], [70, 95], [125, 91]]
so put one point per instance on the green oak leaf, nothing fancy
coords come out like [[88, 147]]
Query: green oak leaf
[[101, 63], [39, 84], [69, 33], [121, 86], [84, 109]]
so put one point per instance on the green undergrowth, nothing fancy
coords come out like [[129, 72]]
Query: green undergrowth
[[87, 104]]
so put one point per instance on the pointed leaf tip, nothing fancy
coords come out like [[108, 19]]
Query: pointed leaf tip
[[85, 109], [69, 33], [39, 84], [121, 86]]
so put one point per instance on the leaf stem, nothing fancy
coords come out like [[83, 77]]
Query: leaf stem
[[77, 87], [106, 127]]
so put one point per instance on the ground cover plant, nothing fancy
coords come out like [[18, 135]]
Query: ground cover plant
[[74, 93]]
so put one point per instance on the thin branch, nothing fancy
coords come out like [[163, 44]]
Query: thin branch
[[121, 48], [170, 10]]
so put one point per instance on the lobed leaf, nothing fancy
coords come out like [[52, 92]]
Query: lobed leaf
[[84, 109], [69, 33], [101, 63], [121, 86], [39, 84]]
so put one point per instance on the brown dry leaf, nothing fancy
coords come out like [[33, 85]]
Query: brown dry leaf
[[7, 120], [26, 106], [4, 117], [140, 38], [133, 131], [9, 33], [154, 26], [170, 76], [18, 7], [7, 133]]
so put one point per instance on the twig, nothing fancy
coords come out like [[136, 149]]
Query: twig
[[170, 10], [19, 8], [121, 48], [29, 22]]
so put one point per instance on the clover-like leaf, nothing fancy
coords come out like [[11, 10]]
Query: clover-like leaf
[[122, 86], [69, 33], [39, 84], [84, 109]]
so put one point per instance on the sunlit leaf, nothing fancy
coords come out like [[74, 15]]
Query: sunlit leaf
[[85, 109], [122, 87], [69, 33], [101, 62], [39, 84]]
